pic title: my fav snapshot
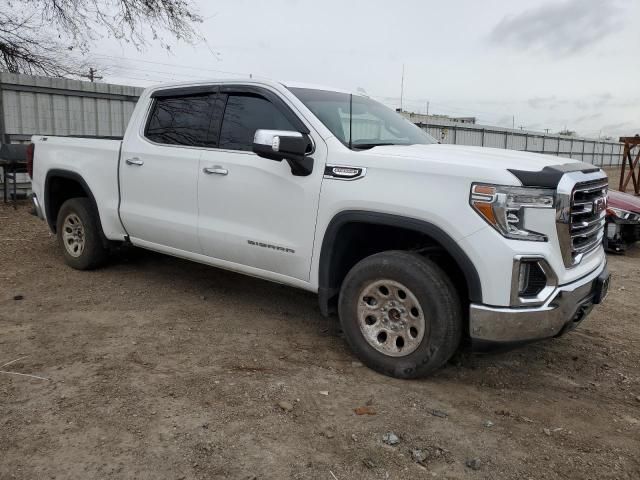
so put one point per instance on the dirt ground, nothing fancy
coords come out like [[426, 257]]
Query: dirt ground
[[157, 368]]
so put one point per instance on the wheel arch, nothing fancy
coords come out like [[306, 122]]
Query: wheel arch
[[330, 273], [54, 198]]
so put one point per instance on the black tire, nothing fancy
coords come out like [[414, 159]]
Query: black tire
[[94, 252], [437, 297]]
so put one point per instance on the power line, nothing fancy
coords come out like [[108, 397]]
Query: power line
[[440, 106], [172, 74], [175, 65], [148, 79]]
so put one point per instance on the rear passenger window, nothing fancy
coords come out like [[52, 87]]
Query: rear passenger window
[[181, 121], [243, 115]]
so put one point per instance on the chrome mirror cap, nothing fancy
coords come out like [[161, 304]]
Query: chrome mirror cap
[[272, 138]]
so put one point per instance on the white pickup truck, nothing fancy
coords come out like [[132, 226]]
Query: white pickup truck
[[416, 245]]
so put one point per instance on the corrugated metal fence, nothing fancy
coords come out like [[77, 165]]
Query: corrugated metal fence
[[31, 105], [597, 152]]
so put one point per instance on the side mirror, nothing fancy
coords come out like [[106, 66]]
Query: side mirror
[[278, 145]]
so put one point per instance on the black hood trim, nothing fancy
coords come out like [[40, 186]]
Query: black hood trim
[[550, 176]]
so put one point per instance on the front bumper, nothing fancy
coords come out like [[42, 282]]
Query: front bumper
[[566, 307]]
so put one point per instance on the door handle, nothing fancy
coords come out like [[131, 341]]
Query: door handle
[[134, 161], [217, 170]]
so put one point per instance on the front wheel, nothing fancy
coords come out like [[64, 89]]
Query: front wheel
[[400, 314], [79, 235]]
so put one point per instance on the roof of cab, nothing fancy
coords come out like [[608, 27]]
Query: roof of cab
[[250, 81], [316, 87]]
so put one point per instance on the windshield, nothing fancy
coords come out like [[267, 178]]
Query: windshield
[[360, 122]]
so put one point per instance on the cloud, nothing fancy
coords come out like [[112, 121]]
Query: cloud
[[559, 28], [549, 103], [622, 128], [588, 118], [602, 100]]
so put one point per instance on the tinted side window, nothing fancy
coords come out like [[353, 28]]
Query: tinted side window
[[244, 115], [181, 121]]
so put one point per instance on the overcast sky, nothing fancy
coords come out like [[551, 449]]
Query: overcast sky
[[549, 63]]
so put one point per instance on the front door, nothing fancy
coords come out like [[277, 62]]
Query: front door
[[253, 211]]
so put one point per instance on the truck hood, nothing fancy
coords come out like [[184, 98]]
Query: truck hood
[[461, 155], [624, 201]]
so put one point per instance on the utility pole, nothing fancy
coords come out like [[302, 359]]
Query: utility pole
[[601, 148], [427, 108], [92, 75], [402, 88], [513, 122]]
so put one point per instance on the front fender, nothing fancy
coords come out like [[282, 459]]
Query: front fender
[[329, 284]]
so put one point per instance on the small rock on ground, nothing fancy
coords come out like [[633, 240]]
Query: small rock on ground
[[473, 463], [366, 410], [439, 413], [418, 455], [286, 406], [390, 438], [369, 463]]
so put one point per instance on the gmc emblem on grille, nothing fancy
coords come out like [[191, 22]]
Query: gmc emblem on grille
[[599, 205]]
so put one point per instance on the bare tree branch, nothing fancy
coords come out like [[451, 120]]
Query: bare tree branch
[[50, 37]]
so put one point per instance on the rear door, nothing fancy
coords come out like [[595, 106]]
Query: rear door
[[159, 170]]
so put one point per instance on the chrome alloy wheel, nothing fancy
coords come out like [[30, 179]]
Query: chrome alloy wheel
[[73, 235], [390, 318]]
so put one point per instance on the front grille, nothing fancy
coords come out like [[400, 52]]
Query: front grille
[[587, 211]]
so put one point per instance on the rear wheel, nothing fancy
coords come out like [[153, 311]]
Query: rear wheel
[[401, 314], [79, 235]]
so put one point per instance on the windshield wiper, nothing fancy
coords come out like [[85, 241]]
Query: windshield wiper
[[365, 146]]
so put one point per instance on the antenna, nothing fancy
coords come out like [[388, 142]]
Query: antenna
[[402, 88], [350, 120]]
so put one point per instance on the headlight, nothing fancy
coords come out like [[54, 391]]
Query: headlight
[[503, 208], [623, 214]]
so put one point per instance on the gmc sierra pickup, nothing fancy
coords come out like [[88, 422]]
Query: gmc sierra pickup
[[415, 245]]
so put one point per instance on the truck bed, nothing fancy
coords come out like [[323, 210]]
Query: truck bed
[[95, 160]]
